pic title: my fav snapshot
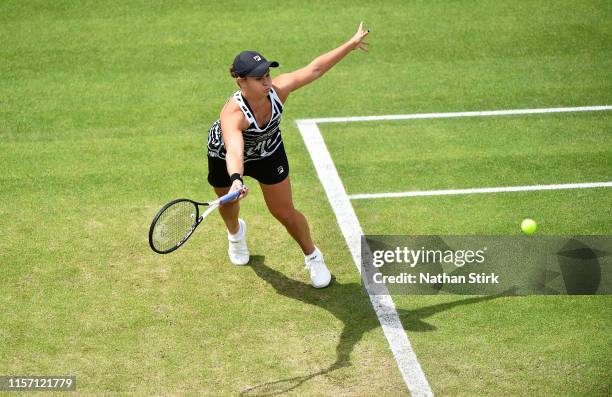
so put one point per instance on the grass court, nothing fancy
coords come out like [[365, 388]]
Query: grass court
[[104, 111]]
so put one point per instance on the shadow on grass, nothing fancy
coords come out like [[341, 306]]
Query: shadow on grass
[[349, 304]]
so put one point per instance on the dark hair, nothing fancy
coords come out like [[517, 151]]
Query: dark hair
[[233, 72]]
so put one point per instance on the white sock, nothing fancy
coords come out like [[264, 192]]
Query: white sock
[[314, 254], [238, 235]]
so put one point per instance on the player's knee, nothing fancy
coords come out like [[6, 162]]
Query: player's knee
[[284, 215]]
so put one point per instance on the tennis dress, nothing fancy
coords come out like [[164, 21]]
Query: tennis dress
[[259, 142], [264, 153]]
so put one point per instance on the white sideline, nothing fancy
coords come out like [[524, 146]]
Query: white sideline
[[480, 190], [457, 114], [351, 229]]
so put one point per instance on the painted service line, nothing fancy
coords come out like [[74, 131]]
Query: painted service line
[[480, 190], [458, 114], [351, 230]]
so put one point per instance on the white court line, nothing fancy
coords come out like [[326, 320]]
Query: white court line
[[351, 229], [480, 190], [457, 114]]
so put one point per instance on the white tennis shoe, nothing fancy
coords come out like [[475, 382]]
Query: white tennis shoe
[[238, 251], [319, 274]]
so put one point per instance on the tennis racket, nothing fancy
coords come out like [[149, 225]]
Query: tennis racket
[[177, 221]]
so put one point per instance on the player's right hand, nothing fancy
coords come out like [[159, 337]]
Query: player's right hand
[[237, 185]]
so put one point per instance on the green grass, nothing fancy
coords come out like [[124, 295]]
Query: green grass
[[542, 345], [104, 109], [473, 152]]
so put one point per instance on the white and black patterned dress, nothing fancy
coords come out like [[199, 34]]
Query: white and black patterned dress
[[259, 142]]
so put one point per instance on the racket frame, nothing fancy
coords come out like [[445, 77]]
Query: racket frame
[[212, 205]]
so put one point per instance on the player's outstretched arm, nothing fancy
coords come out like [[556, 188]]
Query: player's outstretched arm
[[289, 82], [232, 124]]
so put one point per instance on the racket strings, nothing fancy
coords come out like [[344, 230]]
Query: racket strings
[[174, 225]]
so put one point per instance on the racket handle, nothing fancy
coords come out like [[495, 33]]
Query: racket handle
[[229, 197]]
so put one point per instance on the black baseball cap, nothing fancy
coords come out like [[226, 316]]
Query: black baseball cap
[[252, 64]]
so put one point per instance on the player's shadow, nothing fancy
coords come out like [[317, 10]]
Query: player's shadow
[[349, 304]]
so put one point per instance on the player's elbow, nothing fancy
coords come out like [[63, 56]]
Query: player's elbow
[[315, 70]]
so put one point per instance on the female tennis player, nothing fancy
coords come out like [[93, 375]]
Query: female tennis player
[[246, 141]]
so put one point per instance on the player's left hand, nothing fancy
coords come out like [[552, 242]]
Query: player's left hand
[[357, 39]]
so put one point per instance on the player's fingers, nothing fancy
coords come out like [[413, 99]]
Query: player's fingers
[[244, 191]]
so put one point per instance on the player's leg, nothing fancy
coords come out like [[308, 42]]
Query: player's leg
[[229, 211], [236, 228], [278, 198], [272, 173]]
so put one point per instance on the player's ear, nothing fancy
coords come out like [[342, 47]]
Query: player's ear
[[235, 76]]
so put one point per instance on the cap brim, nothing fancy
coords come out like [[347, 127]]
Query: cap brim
[[261, 69]]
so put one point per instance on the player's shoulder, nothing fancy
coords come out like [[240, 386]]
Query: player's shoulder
[[231, 107], [231, 113], [281, 91]]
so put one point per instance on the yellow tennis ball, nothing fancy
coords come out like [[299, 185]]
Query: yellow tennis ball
[[528, 226]]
